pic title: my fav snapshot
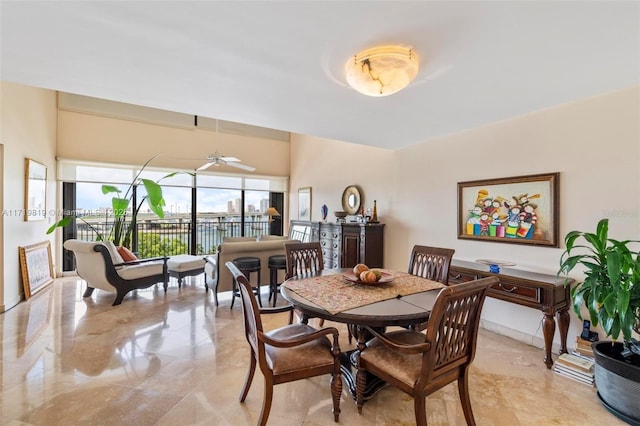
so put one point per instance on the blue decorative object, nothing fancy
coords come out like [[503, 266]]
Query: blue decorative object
[[494, 265], [324, 211]]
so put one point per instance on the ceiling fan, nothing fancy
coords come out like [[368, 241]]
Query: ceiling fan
[[216, 160]]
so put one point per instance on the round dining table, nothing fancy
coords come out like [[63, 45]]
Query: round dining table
[[401, 310]]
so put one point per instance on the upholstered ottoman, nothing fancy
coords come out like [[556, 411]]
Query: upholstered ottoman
[[185, 265]]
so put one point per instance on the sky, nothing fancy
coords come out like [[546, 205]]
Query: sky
[[89, 196]]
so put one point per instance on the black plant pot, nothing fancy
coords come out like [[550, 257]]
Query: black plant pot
[[618, 381]]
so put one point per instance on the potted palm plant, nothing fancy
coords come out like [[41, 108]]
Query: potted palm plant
[[123, 211], [610, 292]]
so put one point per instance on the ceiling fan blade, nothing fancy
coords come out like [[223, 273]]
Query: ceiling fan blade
[[223, 158], [240, 166], [205, 166]]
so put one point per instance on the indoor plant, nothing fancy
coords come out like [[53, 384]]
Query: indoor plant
[[611, 294], [123, 225]]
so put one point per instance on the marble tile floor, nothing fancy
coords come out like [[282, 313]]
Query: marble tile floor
[[176, 359]]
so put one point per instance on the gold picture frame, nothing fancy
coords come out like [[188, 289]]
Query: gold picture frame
[[36, 266], [35, 190], [304, 203], [520, 210]]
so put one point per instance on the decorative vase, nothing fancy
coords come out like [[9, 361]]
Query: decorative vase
[[618, 382], [324, 210], [374, 216]]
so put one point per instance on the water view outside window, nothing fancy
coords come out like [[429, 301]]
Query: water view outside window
[[220, 211]]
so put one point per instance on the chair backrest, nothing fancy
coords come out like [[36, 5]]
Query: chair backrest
[[431, 263], [250, 311], [303, 258], [453, 326], [90, 264]]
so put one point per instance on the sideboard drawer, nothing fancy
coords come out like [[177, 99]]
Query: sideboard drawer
[[504, 290], [507, 291]]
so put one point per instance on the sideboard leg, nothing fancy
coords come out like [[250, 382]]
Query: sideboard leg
[[548, 329], [563, 328]]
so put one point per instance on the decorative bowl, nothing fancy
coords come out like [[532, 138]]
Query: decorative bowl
[[386, 278], [340, 215]]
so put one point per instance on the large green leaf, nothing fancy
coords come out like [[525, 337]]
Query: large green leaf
[[154, 197], [120, 206], [108, 189], [61, 224]]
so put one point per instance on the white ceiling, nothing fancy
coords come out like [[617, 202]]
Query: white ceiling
[[280, 64]]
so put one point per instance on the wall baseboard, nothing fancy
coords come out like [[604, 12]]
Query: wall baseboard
[[526, 338]]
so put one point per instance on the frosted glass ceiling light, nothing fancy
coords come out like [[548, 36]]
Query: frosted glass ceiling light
[[382, 71]]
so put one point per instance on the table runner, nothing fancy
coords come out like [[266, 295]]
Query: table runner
[[336, 294]]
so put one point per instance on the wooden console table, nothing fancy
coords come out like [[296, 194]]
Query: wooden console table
[[538, 291]]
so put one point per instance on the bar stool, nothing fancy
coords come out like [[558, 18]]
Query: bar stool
[[247, 265], [276, 262]]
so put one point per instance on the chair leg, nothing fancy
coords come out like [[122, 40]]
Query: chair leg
[[215, 292], [361, 381], [249, 378], [119, 297], [234, 291], [336, 390], [463, 390], [266, 403], [88, 292], [419, 406]]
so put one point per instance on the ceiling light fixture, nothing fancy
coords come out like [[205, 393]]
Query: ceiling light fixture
[[382, 71]]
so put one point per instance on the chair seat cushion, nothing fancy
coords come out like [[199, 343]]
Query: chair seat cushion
[[131, 272], [311, 354], [405, 367], [247, 263], [184, 262], [278, 261]]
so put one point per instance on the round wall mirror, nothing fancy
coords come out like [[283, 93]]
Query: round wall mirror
[[351, 199]]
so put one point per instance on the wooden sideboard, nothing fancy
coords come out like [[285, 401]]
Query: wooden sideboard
[[344, 245], [539, 291]]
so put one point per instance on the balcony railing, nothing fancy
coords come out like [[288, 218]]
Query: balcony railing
[[162, 233]]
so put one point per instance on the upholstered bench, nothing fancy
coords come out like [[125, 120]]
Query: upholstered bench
[[185, 265]]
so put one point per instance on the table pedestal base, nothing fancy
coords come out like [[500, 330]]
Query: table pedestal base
[[348, 367]]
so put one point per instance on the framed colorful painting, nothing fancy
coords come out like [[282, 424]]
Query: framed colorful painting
[[521, 210]]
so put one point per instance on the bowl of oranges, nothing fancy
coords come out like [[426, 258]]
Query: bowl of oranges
[[362, 274]]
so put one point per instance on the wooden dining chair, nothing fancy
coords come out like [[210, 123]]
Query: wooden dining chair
[[289, 353], [303, 258], [420, 364], [431, 263]]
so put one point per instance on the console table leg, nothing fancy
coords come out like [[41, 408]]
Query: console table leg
[[548, 329], [563, 326]]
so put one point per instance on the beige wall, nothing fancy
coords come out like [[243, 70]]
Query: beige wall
[[28, 129], [594, 144], [98, 138]]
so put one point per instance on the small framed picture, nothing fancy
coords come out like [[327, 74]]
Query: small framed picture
[[36, 267], [304, 203], [520, 210], [35, 190]]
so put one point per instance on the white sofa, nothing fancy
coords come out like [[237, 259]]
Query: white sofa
[[241, 247]]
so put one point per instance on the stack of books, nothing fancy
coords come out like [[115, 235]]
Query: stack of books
[[575, 367], [583, 348]]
